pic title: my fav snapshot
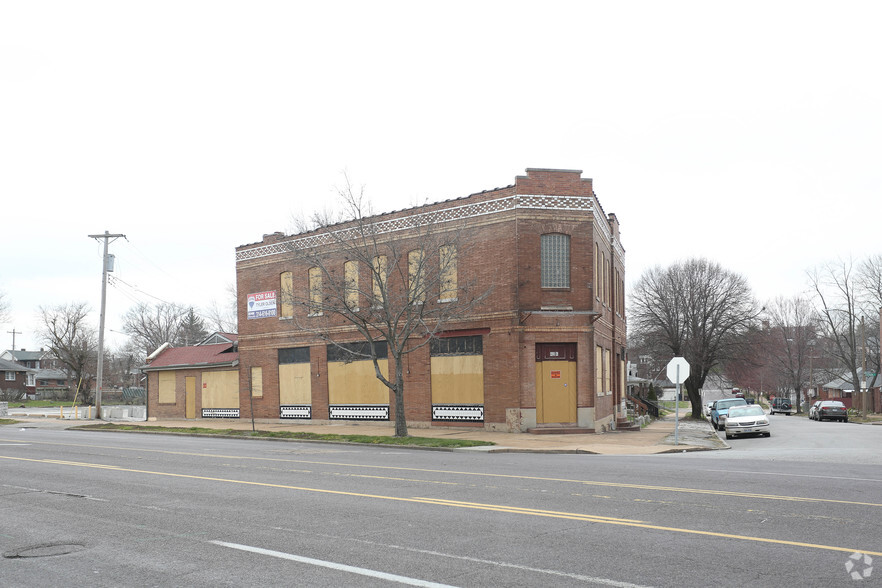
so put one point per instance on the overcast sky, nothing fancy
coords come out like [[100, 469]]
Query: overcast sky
[[749, 133]]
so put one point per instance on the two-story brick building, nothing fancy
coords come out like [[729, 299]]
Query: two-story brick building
[[545, 348]]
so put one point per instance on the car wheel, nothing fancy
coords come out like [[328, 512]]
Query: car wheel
[[845, 420], [728, 436], [768, 434]]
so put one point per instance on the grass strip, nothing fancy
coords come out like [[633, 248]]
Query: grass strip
[[296, 435]]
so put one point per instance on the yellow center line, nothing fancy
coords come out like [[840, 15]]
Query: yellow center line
[[480, 474], [471, 505]]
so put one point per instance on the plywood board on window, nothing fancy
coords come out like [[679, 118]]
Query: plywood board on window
[[220, 389], [356, 383], [167, 388], [295, 383], [458, 379]]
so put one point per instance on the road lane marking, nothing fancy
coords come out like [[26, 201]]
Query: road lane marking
[[489, 475], [332, 565], [459, 504], [466, 558], [796, 475]]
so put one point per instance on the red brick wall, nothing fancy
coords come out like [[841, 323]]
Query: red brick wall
[[499, 250]]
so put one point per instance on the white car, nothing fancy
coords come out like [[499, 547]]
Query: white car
[[707, 408], [747, 420]]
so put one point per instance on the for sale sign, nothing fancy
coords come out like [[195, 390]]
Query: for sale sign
[[262, 304]]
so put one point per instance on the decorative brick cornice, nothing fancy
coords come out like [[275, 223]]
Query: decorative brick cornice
[[435, 217]]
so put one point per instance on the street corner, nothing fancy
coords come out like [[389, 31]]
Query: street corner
[[694, 435]]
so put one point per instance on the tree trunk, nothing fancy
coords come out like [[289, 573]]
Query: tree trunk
[[695, 398], [400, 420]]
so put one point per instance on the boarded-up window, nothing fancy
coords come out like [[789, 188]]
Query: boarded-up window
[[598, 370], [379, 279], [350, 275], [555, 260], [457, 370], [257, 382], [286, 287], [167, 388], [447, 261], [351, 375], [220, 389], [607, 372], [315, 291], [295, 382], [416, 276]]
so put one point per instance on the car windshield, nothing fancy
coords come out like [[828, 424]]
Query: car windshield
[[730, 402], [737, 411], [833, 405]]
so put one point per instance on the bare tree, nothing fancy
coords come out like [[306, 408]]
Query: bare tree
[[793, 331], [870, 283], [70, 338], [696, 310], [411, 292], [151, 326], [222, 316], [841, 307], [4, 307]]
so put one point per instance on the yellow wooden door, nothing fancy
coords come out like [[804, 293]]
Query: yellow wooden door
[[556, 392], [191, 397]]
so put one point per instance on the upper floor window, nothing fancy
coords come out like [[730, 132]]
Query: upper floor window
[[286, 285], [315, 291], [416, 276], [448, 273], [10, 376], [379, 279], [350, 275], [555, 260]]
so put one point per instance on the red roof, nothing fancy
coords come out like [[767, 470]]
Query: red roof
[[196, 356]]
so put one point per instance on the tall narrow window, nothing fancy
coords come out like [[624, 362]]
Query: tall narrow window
[[416, 276], [607, 376], [555, 259], [598, 371], [597, 280], [350, 276], [448, 272], [315, 291], [379, 278], [257, 382], [286, 286]]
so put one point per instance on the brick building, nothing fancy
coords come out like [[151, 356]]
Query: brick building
[[195, 381], [545, 348]]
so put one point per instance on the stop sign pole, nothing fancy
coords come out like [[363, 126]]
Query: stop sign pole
[[678, 372]]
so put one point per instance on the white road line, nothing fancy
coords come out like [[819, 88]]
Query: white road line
[[502, 564], [332, 565], [797, 475]]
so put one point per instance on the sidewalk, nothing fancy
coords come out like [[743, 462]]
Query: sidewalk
[[657, 437]]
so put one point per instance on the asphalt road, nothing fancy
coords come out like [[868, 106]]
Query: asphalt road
[[114, 509]]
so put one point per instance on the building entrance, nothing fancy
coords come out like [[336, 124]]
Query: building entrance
[[556, 383]]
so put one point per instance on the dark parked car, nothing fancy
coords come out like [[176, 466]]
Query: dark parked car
[[781, 405], [829, 410]]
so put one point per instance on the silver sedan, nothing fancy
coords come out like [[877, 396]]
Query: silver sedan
[[747, 420]]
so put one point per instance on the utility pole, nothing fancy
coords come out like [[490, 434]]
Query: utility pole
[[13, 332], [106, 266], [863, 369]]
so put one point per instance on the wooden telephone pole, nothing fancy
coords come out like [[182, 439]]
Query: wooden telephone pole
[[106, 267]]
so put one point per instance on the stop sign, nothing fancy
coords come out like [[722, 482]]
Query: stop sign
[[678, 362]]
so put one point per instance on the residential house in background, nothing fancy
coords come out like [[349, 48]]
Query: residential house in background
[[14, 379]]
